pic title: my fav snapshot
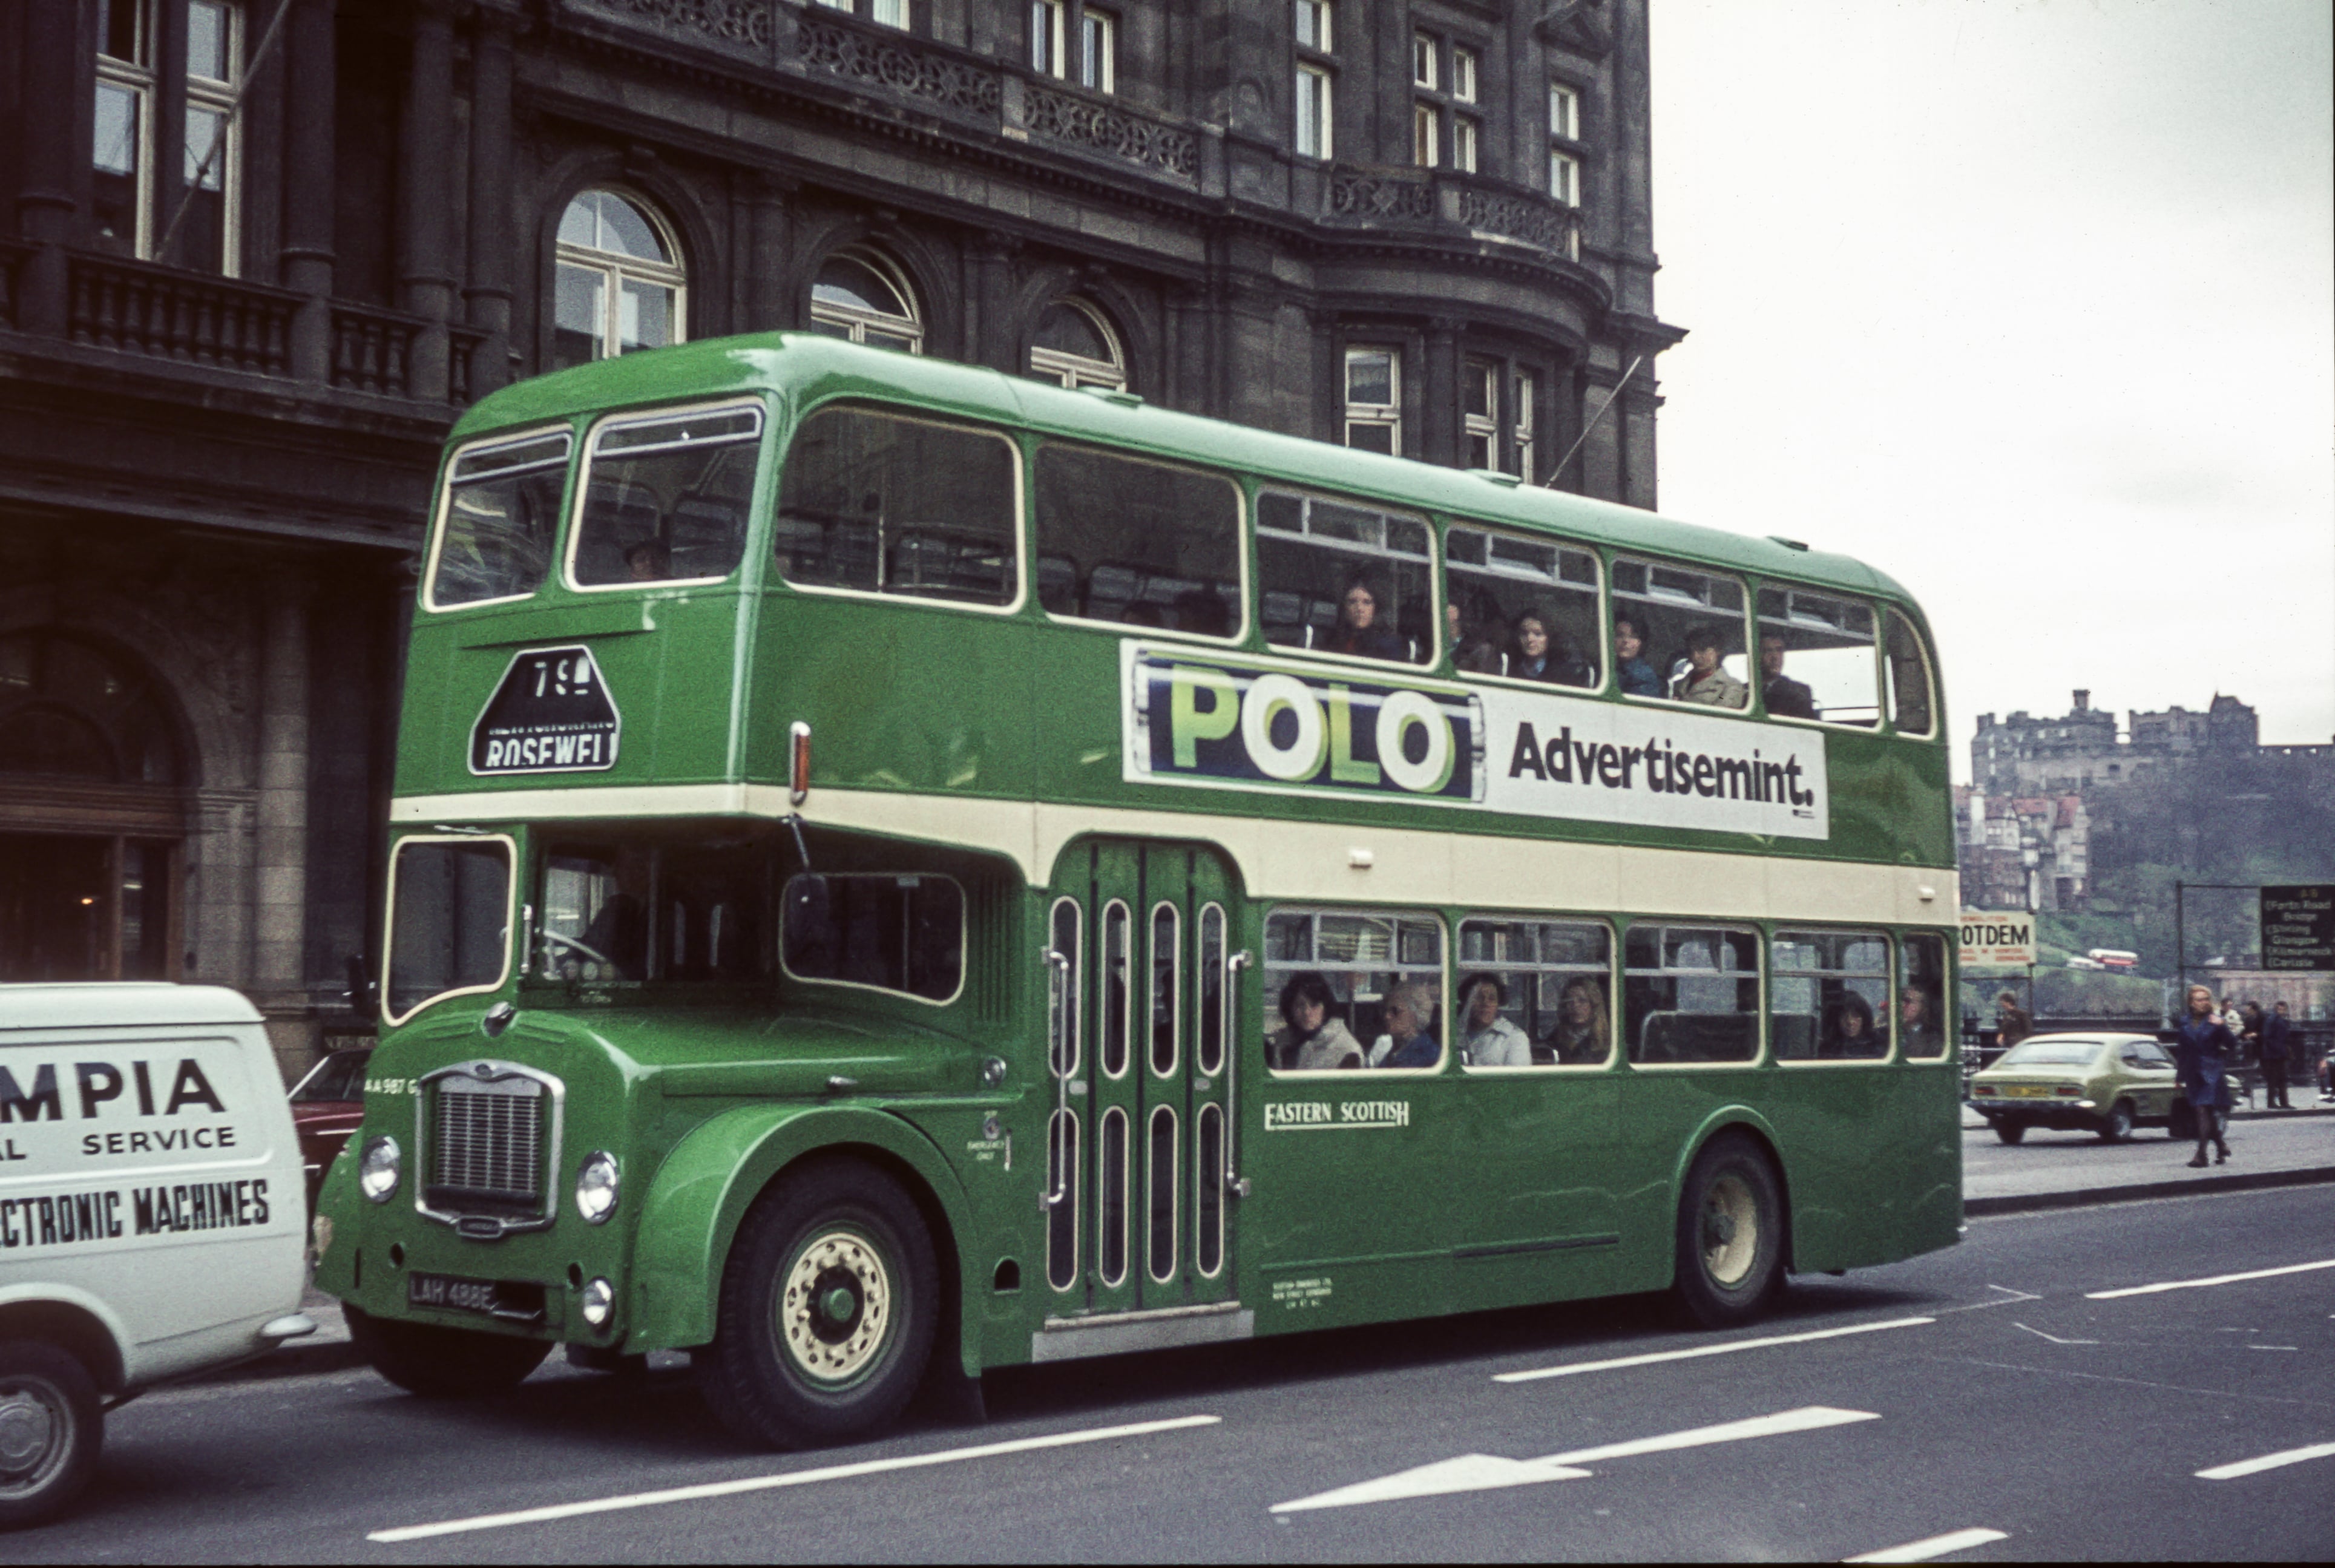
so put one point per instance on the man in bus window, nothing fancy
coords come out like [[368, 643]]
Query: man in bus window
[[1918, 1022], [1785, 698], [648, 561], [1704, 681]]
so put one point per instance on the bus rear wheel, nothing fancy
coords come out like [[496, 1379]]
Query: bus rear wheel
[[1730, 1234], [443, 1363], [828, 1306], [51, 1427]]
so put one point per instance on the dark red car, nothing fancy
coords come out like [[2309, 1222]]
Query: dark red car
[[326, 1107]]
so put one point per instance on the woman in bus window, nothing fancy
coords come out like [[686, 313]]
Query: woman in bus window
[[1582, 1029], [1492, 1041], [1312, 1038], [1543, 654], [1362, 627], [1852, 1032], [1918, 1022], [1637, 676], [1410, 1007]]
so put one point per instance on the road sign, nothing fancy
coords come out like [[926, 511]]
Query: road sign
[[1997, 939], [2298, 927]]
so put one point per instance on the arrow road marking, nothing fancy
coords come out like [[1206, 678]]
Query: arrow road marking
[[2267, 1462], [2009, 1296], [1487, 1472], [1648, 1361], [2215, 1280], [2053, 1338], [1933, 1546], [790, 1478]]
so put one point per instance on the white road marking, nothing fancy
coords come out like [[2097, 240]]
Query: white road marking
[[2273, 1346], [1935, 1546], [2009, 1297], [2215, 1280], [2267, 1462], [2053, 1338], [1648, 1361], [790, 1478], [1488, 1472]]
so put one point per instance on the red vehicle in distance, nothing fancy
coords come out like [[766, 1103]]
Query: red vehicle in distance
[[328, 1105]]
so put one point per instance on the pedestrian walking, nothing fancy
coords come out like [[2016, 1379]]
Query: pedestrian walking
[[2204, 1051], [2012, 1023], [2277, 1057]]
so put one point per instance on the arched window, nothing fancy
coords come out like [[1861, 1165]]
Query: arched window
[[861, 296], [69, 710], [620, 282], [1074, 345]]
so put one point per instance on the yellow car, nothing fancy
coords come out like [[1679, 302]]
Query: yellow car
[[2102, 1083]]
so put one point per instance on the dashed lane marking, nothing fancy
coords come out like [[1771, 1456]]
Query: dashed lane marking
[[1760, 1344], [1932, 1547], [790, 1478], [2215, 1280], [2267, 1462], [2053, 1338]]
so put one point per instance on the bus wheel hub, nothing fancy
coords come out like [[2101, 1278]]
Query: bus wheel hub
[[836, 1307]]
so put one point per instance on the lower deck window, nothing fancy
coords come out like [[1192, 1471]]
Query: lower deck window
[[1691, 994], [620, 912], [1830, 996], [1354, 990], [1533, 993], [893, 933]]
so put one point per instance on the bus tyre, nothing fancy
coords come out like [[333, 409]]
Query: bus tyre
[[828, 1305], [442, 1364], [2010, 1131], [2119, 1125], [51, 1427], [1730, 1234]]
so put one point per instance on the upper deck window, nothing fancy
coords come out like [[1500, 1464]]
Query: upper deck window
[[1909, 678], [666, 496], [1678, 633], [886, 504], [500, 511], [1138, 543], [1523, 608], [1816, 658], [1343, 578]]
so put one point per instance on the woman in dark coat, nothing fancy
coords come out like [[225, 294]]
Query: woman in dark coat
[[2204, 1051]]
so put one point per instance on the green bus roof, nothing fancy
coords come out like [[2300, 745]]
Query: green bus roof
[[806, 368]]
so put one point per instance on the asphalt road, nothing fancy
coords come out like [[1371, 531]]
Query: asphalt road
[[1991, 1387]]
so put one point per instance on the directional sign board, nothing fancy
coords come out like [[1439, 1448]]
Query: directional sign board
[[2001, 939], [2298, 927], [551, 714]]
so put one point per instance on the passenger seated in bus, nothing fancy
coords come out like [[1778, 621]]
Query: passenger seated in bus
[[1143, 613], [1785, 698], [648, 561], [1582, 1032], [1852, 1032], [1704, 681], [1362, 626], [1543, 654], [1473, 623], [1637, 676], [1918, 1028], [1410, 1010], [1492, 1041], [1203, 610], [1312, 1038]]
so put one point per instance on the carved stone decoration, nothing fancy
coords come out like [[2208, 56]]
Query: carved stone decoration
[[1575, 25], [1534, 221], [737, 24], [1367, 197], [1138, 140], [897, 67]]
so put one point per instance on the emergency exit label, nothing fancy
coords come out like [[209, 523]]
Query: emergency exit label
[[551, 714]]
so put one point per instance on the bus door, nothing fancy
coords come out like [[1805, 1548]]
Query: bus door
[[1143, 1222]]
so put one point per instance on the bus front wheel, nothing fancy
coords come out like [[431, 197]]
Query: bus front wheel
[[828, 1306], [440, 1362], [1730, 1234]]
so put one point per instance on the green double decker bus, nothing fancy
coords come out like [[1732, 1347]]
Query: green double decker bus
[[899, 870]]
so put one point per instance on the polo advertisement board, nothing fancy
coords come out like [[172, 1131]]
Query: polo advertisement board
[[550, 713], [1244, 723]]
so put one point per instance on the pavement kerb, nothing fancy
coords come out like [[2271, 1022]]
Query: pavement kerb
[[2132, 1192]]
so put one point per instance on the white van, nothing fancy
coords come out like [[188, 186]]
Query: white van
[[151, 1212]]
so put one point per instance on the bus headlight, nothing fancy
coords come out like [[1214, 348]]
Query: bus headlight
[[596, 1188], [598, 1302], [378, 1170]]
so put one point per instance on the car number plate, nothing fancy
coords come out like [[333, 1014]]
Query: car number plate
[[2027, 1091], [451, 1292]]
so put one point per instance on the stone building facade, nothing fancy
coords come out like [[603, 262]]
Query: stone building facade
[[256, 255]]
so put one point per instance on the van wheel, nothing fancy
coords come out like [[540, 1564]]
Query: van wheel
[[828, 1305], [1730, 1234], [2119, 1125], [442, 1364], [2010, 1131], [51, 1427]]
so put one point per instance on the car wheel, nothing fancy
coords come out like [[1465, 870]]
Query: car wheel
[[442, 1364], [2010, 1131], [50, 1429], [1730, 1234], [828, 1306], [2119, 1125]]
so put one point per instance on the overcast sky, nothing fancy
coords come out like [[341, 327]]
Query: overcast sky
[[2027, 303]]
